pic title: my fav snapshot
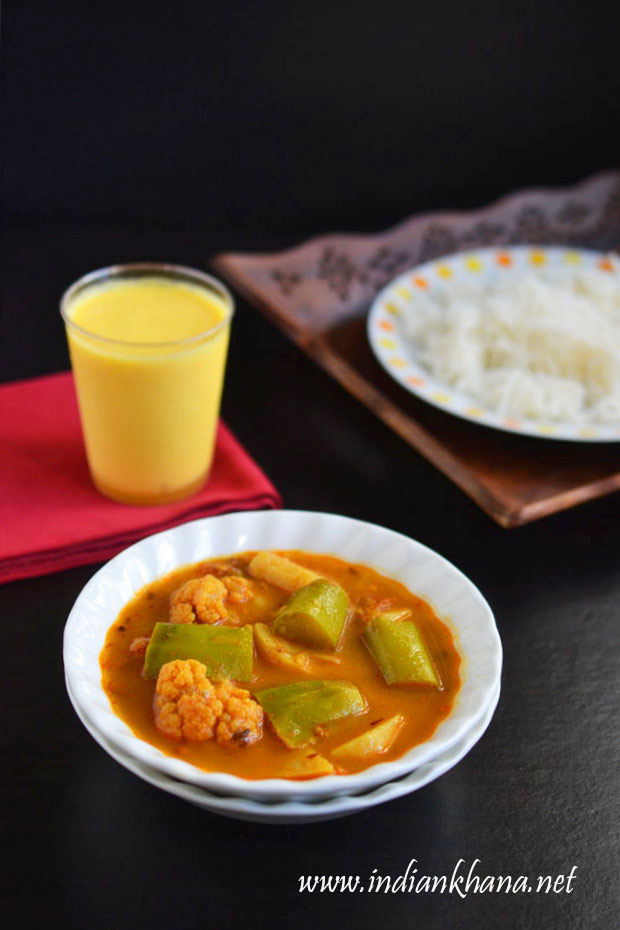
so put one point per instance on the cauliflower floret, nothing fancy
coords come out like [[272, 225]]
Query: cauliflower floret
[[239, 589], [139, 646], [200, 600], [185, 702], [188, 705], [241, 720], [221, 569], [369, 605]]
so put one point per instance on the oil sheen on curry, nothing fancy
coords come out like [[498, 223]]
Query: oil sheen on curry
[[280, 665]]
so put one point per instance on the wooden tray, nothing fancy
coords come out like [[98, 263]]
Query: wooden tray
[[319, 294]]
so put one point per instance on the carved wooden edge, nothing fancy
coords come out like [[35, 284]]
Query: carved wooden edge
[[242, 263], [235, 267]]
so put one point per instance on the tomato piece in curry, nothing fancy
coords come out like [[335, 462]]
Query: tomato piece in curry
[[404, 713]]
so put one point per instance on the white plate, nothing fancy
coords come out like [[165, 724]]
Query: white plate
[[287, 812], [398, 357], [456, 600]]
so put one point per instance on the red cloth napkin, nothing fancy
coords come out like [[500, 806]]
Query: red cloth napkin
[[51, 516]]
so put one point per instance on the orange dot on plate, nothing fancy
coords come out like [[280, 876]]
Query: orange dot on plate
[[386, 325], [504, 258], [606, 264], [414, 381], [511, 424], [420, 282]]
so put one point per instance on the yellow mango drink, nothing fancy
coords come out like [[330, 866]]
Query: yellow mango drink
[[148, 346]]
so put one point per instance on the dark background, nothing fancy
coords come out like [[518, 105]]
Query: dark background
[[249, 124], [131, 132], [242, 116]]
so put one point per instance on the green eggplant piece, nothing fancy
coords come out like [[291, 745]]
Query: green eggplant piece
[[314, 615], [296, 710], [400, 653], [227, 652]]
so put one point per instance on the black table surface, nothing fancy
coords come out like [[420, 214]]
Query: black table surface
[[94, 847]]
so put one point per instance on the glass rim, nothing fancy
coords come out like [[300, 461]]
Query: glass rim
[[143, 269]]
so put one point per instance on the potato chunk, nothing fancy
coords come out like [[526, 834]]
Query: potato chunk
[[303, 763], [278, 652], [287, 655], [376, 740], [267, 566]]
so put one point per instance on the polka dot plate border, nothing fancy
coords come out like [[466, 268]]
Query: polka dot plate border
[[397, 356]]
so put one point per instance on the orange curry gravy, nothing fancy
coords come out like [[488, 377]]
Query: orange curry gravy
[[131, 695]]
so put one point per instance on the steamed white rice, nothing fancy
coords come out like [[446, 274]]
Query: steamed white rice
[[539, 344]]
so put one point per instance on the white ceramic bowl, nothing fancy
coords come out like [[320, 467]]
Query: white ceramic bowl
[[287, 812], [455, 599]]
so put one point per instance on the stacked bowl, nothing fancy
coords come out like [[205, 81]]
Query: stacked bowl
[[454, 598]]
